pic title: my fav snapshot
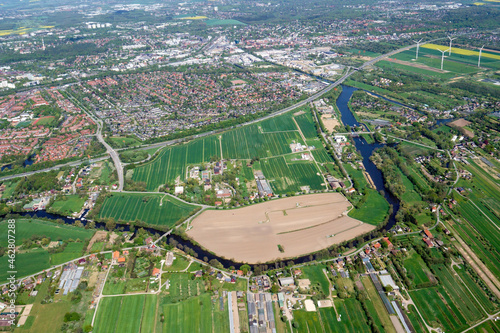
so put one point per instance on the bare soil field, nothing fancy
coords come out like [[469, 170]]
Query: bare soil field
[[330, 122], [300, 225]]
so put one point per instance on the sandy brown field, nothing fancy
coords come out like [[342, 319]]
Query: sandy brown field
[[330, 122], [300, 225]]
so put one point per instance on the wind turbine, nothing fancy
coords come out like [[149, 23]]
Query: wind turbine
[[418, 45], [479, 60], [451, 39], [442, 57]]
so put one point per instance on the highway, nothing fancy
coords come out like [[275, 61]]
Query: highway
[[116, 159]]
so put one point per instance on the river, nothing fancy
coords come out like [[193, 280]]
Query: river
[[366, 150]]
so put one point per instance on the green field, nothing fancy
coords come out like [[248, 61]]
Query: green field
[[387, 65], [223, 22], [316, 276], [378, 310], [459, 294], [284, 177], [133, 313], [373, 211], [268, 140], [26, 263], [476, 290], [68, 205], [71, 251], [27, 228], [172, 162], [417, 269], [438, 309], [145, 207], [197, 314]]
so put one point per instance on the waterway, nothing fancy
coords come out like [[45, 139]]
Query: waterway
[[366, 150], [363, 147]]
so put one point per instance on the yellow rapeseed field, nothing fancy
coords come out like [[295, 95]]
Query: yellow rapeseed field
[[194, 18], [457, 50]]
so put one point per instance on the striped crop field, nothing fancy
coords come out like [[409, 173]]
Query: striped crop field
[[126, 314], [146, 208]]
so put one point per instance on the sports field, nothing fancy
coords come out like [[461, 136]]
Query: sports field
[[122, 314], [300, 225], [155, 209]]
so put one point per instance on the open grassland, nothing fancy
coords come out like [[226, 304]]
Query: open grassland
[[373, 211], [413, 68], [197, 314], [300, 225], [316, 276], [417, 268], [377, 308], [154, 209], [307, 322], [460, 296], [25, 229], [68, 205], [438, 309], [135, 313]]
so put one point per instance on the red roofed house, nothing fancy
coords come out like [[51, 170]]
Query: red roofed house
[[428, 242], [121, 259], [377, 245], [156, 271], [388, 242], [428, 233], [116, 255]]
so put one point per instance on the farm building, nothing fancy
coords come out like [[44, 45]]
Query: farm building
[[264, 188], [387, 280], [286, 281]]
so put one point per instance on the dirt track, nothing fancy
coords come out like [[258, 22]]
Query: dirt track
[[299, 224]]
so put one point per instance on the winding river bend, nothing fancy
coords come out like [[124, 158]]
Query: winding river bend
[[364, 148]]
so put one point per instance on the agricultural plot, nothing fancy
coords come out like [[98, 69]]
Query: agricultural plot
[[376, 306], [307, 322], [278, 124], [154, 209], [135, 313], [182, 287], [417, 270], [477, 291], [27, 228], [285, 177], [210, 318], [416, 321], [306, 124], [460, 296], [27, 263], [248, 142], [438, 309], [171, 162], [351, 315], [316, 276]]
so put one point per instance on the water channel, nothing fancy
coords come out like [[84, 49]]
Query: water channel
[[362, 146]]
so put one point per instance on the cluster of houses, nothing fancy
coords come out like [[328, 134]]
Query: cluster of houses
[[430, 241]]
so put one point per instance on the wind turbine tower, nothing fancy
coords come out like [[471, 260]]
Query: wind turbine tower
[[442, 57], [479, 60], [418, 45], [451, 39]]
